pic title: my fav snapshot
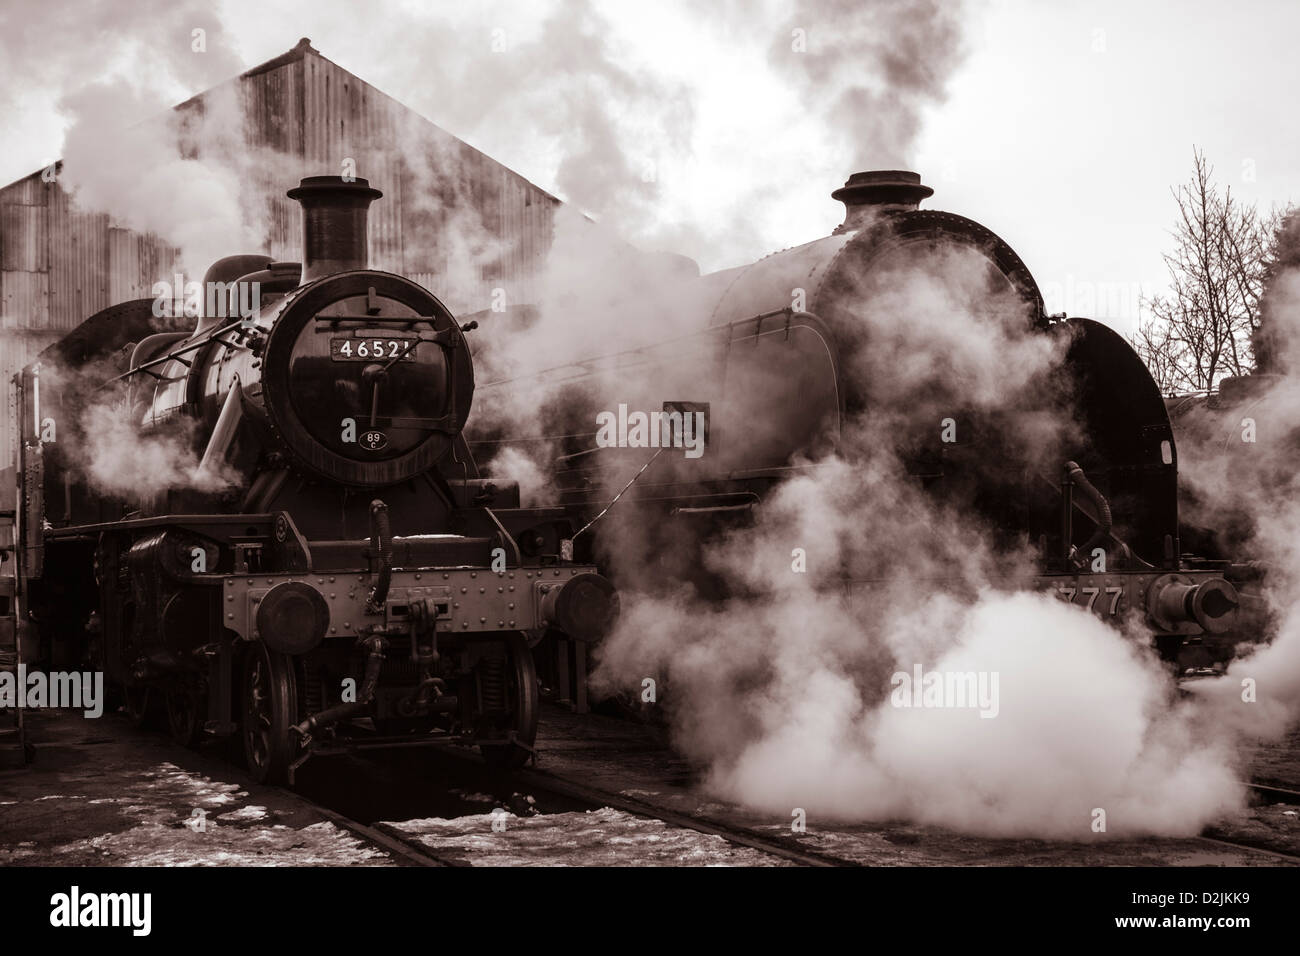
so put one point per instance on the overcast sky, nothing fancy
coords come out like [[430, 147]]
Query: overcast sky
[[1060, 126]]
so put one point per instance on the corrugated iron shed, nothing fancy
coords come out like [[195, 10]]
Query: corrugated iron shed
[[59, 264]]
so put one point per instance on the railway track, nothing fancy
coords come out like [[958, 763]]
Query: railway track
[[744, 836], [409, 851], [1275, 793], [740, 836], [405, 850], [1272, 794]]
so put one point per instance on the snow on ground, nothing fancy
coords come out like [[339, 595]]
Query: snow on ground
[[168, 816], [604, 837]]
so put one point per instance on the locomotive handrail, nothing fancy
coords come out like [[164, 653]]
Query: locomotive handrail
[[173, 354], [585, 365], [372, 319]]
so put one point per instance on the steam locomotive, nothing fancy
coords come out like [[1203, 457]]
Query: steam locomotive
[[332, 574], [775, 357]]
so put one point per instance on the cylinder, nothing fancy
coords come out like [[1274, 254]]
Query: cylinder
[[1212, 603]]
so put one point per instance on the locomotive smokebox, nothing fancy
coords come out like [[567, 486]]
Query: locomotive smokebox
[[334, 224], [869, 193]]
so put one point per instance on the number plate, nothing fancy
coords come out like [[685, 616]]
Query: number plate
[[1100, 597], [372, 350]]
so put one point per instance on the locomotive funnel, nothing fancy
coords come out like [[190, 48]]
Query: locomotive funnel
[[879, 190], [334, 224]]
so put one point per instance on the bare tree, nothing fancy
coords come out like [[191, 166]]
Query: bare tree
[[1201, 331], [1164, 355]]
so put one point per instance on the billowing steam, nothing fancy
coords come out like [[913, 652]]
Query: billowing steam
[[1240, 459], [125, 153], [786, 693], [872, 69], [117, 461], [93, 424], [207, 206]]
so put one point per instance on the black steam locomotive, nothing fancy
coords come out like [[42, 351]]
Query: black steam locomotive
[[775, 357], [332, 573]]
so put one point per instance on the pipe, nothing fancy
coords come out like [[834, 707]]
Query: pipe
[[376, 644], [216, 456], [1075, 476], [417, 704], [381, 547]]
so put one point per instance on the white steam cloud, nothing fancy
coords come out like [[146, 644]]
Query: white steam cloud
[[115, 459], [783, 691]]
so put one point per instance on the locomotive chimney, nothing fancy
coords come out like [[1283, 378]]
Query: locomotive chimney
[[334, 214], [868, 194]]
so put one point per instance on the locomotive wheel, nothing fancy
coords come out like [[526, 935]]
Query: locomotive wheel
[[185, 715], [522, 708], [270, 710]]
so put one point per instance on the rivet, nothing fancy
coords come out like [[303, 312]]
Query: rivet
[[231, 615], [464, 590], [347, 625], [230, 597], [417, 575], [482, 620], [473, 574], [445, 575], [512, 587], [512, 623], [501, 623], [501, 590], [333, 595], [482, 590], [464, 623], [334, 630], [511, 605]]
